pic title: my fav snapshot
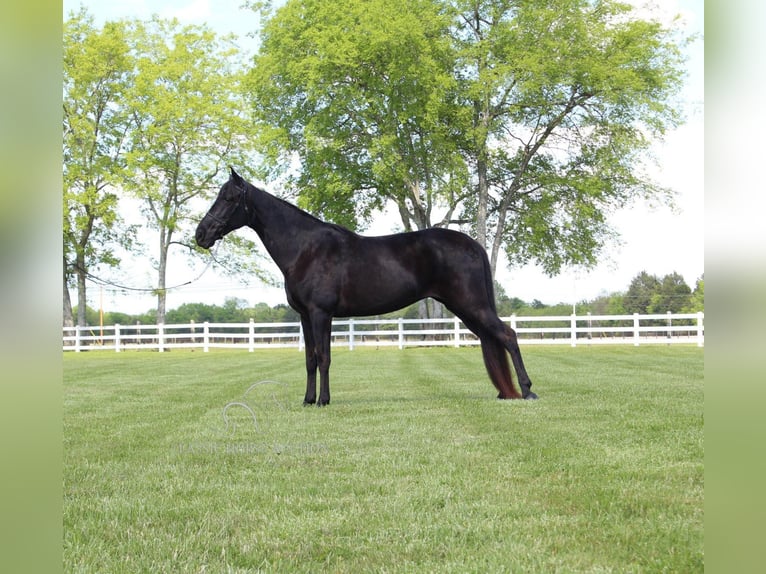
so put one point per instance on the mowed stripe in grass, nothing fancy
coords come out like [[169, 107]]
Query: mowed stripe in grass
[[179, 461]]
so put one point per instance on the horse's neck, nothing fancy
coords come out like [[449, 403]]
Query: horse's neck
[[279, 224]]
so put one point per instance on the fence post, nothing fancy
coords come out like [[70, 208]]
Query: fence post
[[700, 335], [636, 334], [251, 335], [205, 337], [161, 337], [350, 333], [573, 332], [457, 332], [77, 338], [116, 337], [670, 324], [401, 333]]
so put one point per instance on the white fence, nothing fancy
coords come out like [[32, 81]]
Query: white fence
[[573, 330]]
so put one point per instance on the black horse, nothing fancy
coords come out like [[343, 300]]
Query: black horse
[[332, 272]]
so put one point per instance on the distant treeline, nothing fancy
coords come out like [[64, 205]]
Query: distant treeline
[[646, 294]]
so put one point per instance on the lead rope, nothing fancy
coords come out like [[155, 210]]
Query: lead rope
[[101, 281]]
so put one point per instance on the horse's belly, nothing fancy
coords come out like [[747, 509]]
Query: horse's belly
[[372, 295]]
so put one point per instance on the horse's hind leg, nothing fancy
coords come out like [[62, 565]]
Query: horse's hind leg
[[496, 362], [490, 329], [512, 344], [494, 351]]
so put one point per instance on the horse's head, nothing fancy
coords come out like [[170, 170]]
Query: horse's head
[[228, 212]]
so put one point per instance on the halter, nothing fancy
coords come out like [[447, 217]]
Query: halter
[[242, 201]]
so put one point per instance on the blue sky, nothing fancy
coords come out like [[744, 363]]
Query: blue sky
[[657, 240]]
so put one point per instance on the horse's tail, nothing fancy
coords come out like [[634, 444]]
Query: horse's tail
[[493, 350], [498, 369]]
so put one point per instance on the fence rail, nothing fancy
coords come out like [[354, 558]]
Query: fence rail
[[573, 330]]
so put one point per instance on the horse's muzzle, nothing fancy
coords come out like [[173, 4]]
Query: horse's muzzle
[[204, 239]]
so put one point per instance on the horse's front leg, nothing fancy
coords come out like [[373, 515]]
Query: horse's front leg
[[322, 326], [311, 363]]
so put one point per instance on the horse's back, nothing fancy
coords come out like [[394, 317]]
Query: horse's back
[[433, 240], [453, 249]]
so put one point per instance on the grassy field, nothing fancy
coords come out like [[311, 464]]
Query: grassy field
[[180, 462]]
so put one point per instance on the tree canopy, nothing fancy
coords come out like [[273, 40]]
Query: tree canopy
[[522, 123], [154, 112], [97, 68], [360, 93], [189, 122], [526, 122]]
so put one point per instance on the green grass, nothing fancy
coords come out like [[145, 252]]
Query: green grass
[[414, 467]]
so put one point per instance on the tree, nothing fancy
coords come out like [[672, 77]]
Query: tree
[[97, 72], [363, 94], [697, 299], [189, 122], [528, 119], [640, 292], [506, 306], [672, 295], [650, 294], [616, 305], [566, 97]]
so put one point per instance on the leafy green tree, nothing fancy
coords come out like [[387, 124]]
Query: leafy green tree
[[117, 318], [189, 122], [611, 304], [362, 93], [506, 306], [234, 310], [697, 299], [566, 96], [97, 67], [285, 313], [642, 288], [672, 295], [616, 305], [188, 312], [650, 294], [530, 119]]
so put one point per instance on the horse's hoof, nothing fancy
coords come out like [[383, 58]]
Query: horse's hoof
[[501, 397], [530, 396], [308, 403]]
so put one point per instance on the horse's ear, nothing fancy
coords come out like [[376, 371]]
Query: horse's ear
[[234, 175]]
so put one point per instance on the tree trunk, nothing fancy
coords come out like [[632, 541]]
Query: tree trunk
[[82, 300], [68, 316], [161, 298], [483, 192], [162, 271], [480, 129], [497, 243]]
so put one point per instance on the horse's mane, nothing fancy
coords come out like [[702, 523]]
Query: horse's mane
[[302, 212]]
